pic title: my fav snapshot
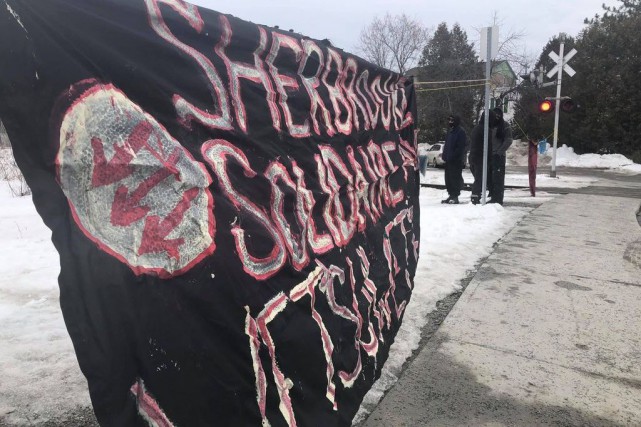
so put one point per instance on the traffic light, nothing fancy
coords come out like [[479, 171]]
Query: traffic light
[[568, 105], [546, 106]]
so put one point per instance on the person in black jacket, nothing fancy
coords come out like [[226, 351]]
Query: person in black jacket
[[501, 141], [454, 156], [476, 157]]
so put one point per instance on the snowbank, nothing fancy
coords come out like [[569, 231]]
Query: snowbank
[[40, 374], [10, 173], [565, 156]]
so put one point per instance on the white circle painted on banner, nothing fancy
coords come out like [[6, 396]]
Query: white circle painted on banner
[[132, 188]]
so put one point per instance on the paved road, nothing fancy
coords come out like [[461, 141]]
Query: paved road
[[548, 331], [611, 183], [605, 174]]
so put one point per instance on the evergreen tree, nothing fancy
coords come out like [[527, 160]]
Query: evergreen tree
[[606, 86], [608, 83], [447, 56]]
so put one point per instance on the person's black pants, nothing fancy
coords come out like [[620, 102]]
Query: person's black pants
[[476, 167], [453, 179], [498, 178], [476, 187]]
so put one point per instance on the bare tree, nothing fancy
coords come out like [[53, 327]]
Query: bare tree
[[512, 48], [511, 45], [4, 139], [393, 41]]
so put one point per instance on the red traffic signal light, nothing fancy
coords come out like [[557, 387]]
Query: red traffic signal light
[[546, 106], [568, 105]]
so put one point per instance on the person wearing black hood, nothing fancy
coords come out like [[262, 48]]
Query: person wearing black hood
[[476, 156], [454, 157], [501, 141]]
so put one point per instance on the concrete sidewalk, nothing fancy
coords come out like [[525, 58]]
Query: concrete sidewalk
[[548, 332]]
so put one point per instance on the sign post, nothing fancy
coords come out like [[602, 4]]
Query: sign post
[[489, 47], [561, 65]]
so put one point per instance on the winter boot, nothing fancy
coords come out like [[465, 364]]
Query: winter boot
[[453, 201]]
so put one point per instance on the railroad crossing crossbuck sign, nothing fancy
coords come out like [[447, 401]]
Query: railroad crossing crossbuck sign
[[561, 63]]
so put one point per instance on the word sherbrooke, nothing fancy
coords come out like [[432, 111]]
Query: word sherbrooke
[[235, 207]]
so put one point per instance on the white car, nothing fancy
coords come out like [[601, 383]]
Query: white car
[[435, 154]]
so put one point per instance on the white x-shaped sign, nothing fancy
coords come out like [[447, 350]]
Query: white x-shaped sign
[[556, 58]]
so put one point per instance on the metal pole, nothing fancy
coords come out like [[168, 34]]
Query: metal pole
[[488, 72], [556, 111]]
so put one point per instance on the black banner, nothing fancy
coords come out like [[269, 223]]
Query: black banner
[[235, 207]]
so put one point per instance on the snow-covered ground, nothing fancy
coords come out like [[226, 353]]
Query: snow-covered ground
[[39, 371]]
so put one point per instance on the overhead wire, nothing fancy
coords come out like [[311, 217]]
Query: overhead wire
[[520, 128], [526, 134], [449, 87], [449, 81]]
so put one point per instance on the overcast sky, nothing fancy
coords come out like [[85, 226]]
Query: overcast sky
[[342, 20]]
